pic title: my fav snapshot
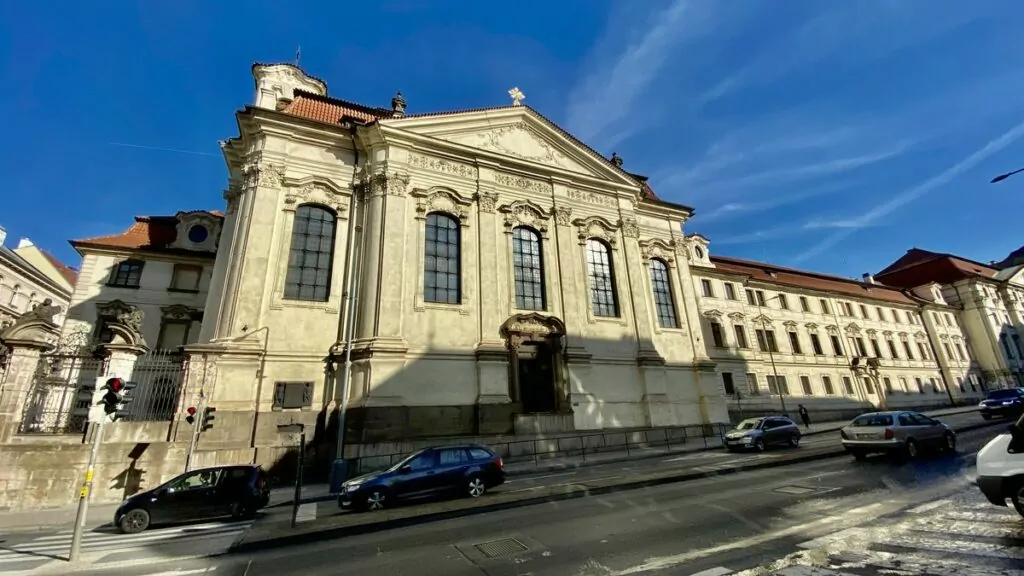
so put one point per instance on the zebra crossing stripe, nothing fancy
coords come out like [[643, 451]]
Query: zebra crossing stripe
[[716, 571]]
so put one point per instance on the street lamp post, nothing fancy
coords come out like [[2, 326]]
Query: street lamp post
[[771, 356]]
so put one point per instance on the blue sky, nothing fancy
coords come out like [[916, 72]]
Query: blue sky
[[824, 135]]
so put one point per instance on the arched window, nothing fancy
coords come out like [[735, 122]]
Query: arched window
[[602, 279], [661, 285], [441, 266], [311, 257], [14, 295], [528, 264]]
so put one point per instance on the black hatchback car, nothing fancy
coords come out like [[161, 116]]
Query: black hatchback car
[[1008, 402], [236, 491], [467, 469]]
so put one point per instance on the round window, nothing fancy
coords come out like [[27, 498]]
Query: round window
[[698, 252], [198, 234]]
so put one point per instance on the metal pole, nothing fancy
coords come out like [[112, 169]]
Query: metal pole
[[346, 378], [771, 357], [298, 478], [196, 423], [83, 495]]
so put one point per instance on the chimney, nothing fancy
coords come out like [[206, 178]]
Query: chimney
[[280, 81], [868, 278], [25, 243]]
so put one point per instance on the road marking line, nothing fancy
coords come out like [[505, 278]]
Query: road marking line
[[929, 506], [306, 512], [184, 572], [716, 571], [855, 515]]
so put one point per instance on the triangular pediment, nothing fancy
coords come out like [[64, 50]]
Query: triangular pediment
[[518, 133]]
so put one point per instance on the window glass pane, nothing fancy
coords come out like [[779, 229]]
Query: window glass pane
[[311, 255], [662, 287], [602, 279], [442, 265], [528, 269]]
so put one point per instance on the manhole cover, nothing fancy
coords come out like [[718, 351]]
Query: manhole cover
[[499, 548], [794, 489]]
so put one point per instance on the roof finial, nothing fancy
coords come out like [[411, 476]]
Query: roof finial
[[616, 159], [298, 55], [517, 96], [398, 104]]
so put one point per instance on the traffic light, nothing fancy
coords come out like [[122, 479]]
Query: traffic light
[[124, 408], [190, 415], [111, 397], [208, 417], [114, 397]]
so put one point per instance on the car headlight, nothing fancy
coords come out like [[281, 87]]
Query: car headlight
[[981, 404], [352, 483]]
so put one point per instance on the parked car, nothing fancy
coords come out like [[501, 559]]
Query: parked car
[[469, 469], [1008, 402], [237, 491], [760, 433], [897, 432], [1001, 468]]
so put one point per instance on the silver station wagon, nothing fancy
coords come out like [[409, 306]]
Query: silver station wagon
[[897, 432]]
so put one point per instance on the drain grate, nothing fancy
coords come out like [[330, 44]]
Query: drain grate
[[499, 548], [795, 489]]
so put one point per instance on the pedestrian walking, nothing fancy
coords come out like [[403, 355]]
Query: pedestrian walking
[[804, 416]]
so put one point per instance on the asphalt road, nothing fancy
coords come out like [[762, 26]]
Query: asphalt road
[[737, 520]]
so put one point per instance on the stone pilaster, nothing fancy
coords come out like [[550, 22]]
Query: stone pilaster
[[32, 334], [635, 272], [689, 311], [490, 307], [573, 285]]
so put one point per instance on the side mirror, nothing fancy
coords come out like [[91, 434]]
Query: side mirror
[[405, 469]]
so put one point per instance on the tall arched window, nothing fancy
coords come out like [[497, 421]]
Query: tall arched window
[[441, 266], [528, 264], [602, 279], [311, 257], [661, 285], [14, 296]]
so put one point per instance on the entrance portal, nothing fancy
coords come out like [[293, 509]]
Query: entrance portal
[[537, 377], [536, 371]]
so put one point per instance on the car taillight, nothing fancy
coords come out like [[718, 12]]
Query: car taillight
[[259, 483], [843, 434], [889, 434], [501, 463]]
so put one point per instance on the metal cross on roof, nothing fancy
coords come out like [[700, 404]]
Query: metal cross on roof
[[517, 96]]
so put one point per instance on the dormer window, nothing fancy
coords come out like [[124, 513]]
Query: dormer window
[[198, 234]]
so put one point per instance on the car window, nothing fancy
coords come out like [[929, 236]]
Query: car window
[[195, 481], [235, 477], [872, 420], [921, 419], [479, 454], [453, 456], [421, 462], [749, 424], [906, 420], [1003, 394]]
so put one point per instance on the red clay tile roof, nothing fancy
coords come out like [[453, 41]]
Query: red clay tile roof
[[769, 273], [331, 111], [69, 273], [147, 233], [918, 267]]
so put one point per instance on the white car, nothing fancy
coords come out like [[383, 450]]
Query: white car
[[1001, 468]]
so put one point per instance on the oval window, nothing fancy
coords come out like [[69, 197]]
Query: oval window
[[698, 252], [198, 234]]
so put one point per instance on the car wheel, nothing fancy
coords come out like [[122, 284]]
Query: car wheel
[[794, 441], [376, 499], [858, 455], [240, 511], [949, 442], [1017, 497], [911, 449], [475, 487], [759, 445], [134, 521]]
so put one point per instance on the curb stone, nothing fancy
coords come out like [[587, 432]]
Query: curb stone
[[241, 545]]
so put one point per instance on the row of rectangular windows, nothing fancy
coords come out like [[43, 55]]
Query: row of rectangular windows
[[766, 342], [777, 384]]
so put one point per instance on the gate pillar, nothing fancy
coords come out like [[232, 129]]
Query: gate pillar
[[31, 334]]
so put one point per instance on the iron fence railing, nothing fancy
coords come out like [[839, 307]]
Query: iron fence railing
[[56, 403], [577, 445], [159, 375]]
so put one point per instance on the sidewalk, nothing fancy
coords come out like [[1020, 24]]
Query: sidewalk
[[100, 514]]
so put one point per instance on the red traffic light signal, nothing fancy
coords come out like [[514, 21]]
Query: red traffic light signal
[[190, 414], [115, 385]]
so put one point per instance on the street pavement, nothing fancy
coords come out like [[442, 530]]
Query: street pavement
[[800, 519]]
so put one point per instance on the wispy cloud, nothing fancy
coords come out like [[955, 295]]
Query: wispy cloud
[[609, 93], [850, 225], [162, 149], [732, 210]]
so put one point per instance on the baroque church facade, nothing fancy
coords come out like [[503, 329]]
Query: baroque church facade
[[502, 276]]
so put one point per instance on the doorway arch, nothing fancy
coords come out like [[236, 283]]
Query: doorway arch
[[537, 375]]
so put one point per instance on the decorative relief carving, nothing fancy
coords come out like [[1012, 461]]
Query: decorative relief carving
[[503, 139], [442, 165], [442, 200], [944, 337], [591, 198], [179, 312], [596, 227], [737, 315], [763, 319], [525, 212], [630, 228], [317, 192], [832, 329], [920, 336], [657, 249], [522, 183], [871, 332], [232, 195], [811, 326], [852, 328], [887, 333], [389, 183], [486, 201], [790, 324], [713, 314], [563, 215], [903, 336]]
